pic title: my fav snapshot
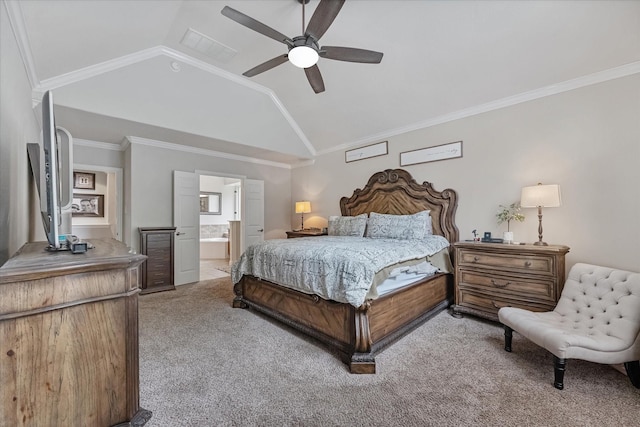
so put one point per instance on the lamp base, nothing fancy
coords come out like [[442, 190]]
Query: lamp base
[[540, 243]]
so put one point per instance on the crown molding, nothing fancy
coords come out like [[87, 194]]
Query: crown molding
[[303, 164], [588, 80], [97, 144], [202, 151]]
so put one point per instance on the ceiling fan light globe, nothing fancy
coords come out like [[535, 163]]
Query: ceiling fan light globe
[[303, 56]]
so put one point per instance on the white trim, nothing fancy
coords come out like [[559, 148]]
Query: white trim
[[591, 79], [119, 193], [303, 164], [97, 144], [204, 152]]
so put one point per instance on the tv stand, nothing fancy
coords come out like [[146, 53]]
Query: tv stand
[[69, 337]]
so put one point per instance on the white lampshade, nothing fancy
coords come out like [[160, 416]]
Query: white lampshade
[[303, 56], [303, 207], [546, 196]]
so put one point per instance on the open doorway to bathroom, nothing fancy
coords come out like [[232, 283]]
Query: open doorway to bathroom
[[220, 205]]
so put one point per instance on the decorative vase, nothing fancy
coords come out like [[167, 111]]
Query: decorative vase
[[507, 237]]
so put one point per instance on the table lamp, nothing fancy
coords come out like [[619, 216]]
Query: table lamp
[[303, 208], [539, 196]]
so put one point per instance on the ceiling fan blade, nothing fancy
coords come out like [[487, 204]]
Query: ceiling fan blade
[[351, 54], [323, 16], [265, 66], [315, 78], [258, 26]]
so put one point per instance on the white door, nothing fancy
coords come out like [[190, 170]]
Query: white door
[[253, 211], [186, 219]]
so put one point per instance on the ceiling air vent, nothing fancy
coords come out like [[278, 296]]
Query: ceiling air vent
[[207, 46]]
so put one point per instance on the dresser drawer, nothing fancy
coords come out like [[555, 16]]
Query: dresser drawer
[[490, 304], [163, 254], [158, 279], [542, 289], [158, 240], [518, 263]]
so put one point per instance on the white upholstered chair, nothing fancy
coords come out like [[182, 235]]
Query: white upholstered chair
[[596, 319]]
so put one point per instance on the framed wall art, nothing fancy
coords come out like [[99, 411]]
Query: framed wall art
[[91, 205], [373, 150], [431, 154], [84, 180]]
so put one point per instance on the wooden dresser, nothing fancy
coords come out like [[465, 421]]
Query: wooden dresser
[[493, 275], [157, 272], [69, 337]]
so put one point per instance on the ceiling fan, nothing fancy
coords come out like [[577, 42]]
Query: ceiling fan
[[304, 50]]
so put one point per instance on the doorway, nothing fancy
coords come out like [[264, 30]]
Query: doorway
[[220, 207]]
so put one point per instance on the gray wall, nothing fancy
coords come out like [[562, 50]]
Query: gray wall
[[586, 140], [151, 183], [97, 156], [18, 126]]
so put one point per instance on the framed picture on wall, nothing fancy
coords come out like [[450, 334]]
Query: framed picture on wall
[[91, 205], [84, 180]]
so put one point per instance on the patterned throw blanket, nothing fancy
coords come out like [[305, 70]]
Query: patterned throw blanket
[[340, 268]]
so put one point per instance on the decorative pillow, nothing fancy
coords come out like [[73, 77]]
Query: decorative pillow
[[383, 226], [347, 225]]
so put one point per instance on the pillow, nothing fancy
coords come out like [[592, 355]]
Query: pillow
[[383, 226], [347, 225]]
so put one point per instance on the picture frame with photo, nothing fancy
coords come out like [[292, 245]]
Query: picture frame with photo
[[84, 180], [87, 205]]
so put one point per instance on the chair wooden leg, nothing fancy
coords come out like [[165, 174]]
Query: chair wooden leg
[[508, 335], [559, 368], [633, 372]]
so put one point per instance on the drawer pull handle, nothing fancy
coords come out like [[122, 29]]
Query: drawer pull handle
[[476, 259], [498, 285], [527, 264], [498, 306]]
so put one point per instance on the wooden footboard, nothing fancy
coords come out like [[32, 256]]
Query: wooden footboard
[[358, 334]]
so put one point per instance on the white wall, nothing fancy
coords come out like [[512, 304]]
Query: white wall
[[586, 140], [18, 126]]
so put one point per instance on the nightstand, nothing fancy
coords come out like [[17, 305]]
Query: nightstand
[[490, 276], [305, 233]]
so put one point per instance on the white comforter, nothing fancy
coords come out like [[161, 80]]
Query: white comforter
[[339, 268]]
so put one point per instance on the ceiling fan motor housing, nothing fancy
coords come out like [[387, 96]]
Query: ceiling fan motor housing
[[300, 54]]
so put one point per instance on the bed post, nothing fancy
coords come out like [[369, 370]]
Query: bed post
[[238, 302], [362, 361]]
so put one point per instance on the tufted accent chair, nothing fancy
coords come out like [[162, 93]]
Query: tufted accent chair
[[596, 319]]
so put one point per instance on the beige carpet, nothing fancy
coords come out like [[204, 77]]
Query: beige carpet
[[204, 363]]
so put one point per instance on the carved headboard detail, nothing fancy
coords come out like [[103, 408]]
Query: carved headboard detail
[[394, 191]]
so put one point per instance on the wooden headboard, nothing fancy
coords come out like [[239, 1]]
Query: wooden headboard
[[394, 191]]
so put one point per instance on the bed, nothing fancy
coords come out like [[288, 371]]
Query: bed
[[357, 334]]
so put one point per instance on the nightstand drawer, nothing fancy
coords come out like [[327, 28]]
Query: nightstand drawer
[[490, 304], [539, 289], [534, 264]]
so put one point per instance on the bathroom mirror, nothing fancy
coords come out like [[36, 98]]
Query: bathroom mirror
[[210, 203]]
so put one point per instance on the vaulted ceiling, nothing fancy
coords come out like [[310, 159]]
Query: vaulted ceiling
[[129, 68]]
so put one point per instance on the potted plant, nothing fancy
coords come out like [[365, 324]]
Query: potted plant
[[508, 214]]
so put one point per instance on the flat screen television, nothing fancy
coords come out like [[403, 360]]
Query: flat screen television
[[53, 176]]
